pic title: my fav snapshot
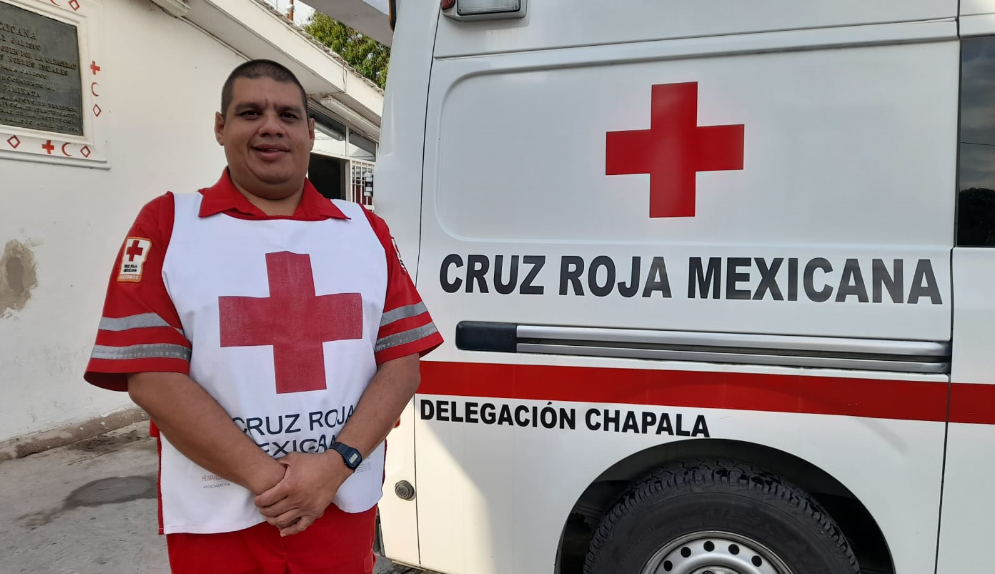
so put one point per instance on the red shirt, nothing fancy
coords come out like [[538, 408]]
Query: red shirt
[[140, 330]]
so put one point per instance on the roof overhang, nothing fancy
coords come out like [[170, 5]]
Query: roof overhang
[[256, 30]]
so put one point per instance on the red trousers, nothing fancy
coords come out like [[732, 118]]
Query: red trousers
[[337, 543]]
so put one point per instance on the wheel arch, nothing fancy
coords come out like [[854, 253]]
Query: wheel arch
[[847, 510]]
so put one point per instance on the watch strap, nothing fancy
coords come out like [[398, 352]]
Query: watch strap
[[351, 456]]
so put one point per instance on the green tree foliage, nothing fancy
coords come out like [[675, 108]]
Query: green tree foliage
[[369, 57]]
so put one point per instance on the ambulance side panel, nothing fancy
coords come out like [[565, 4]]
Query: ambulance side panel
[[968, 500], [849, 154], [848, 157], [494, 499]]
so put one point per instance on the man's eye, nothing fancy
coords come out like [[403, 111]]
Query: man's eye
[[290, 116], [249, 113]]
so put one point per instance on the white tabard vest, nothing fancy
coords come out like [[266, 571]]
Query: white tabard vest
[[283, 316]]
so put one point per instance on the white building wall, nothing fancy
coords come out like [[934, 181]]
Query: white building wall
[[160, 79]]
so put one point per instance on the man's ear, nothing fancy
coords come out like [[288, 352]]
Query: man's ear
[[219, 128], [310, 131]]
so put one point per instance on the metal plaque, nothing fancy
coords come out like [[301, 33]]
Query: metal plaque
[[40, 85]]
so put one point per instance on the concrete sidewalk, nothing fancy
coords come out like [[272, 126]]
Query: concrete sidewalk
[[88, 508]]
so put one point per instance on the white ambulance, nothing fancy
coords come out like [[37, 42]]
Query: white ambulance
[[715, 279]]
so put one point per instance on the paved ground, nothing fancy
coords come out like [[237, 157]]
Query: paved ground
[[88, 508]]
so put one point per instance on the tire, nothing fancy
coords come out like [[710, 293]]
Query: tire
[[690, 516]]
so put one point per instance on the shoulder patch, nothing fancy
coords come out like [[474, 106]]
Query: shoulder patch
[[136, 251]]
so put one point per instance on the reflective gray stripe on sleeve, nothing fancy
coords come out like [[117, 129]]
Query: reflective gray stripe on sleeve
[[153, 351], [133, 322], [405, 337], [405, 312]]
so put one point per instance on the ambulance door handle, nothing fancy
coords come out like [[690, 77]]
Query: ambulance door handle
[[492, 337]]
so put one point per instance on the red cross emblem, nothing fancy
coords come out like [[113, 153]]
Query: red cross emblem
[[134, 250], [47, 146], [293, 320], [674, 150]]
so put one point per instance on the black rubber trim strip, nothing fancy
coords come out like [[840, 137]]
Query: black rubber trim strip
[[493, 337]]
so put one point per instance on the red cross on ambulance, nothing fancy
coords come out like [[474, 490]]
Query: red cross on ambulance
[[674, 150]]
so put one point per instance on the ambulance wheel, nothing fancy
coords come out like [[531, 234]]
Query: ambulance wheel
[[718, 517]]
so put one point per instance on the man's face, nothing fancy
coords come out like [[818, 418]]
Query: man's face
[[267, 137]]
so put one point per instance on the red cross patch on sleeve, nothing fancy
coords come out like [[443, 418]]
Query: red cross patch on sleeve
[[136, 251]]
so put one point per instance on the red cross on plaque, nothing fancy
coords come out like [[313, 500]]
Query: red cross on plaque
[[674, 150], [134, 250], [293, 320], [94, 67], [47, 146]]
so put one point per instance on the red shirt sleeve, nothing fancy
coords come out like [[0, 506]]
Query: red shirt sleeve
[[140, 330], [406, 327]]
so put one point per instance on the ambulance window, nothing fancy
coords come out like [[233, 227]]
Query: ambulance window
[[976, 201]]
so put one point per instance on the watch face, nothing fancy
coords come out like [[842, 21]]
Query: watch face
[[353, 459]]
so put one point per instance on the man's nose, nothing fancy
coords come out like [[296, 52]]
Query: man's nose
[[272, 126]]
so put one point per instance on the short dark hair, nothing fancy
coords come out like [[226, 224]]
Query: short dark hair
[[259, 69]]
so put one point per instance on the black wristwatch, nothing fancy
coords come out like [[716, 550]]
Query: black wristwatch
[[351, 456]]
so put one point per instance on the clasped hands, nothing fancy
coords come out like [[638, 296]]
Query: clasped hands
[[309, 485]]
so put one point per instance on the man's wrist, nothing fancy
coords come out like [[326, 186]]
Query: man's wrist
[[266, 477], [335, 461], [337, 470], [351, 457]]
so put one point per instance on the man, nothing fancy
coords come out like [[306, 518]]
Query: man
[[274, 338]]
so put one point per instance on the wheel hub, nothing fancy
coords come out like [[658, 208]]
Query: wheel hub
[[715, 570], [715, 553]]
